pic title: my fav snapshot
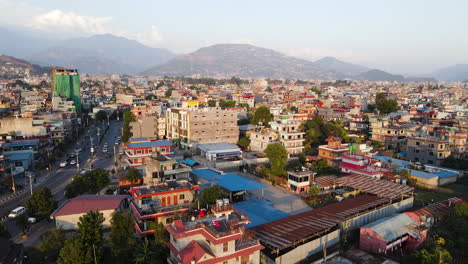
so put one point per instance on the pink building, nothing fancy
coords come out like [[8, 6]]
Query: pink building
[[362, 165]]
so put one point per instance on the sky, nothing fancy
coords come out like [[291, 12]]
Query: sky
[[400, 36]]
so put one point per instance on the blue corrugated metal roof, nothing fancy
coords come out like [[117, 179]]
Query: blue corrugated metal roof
[[396, 162], [259, 212], [20, 156], [445, 174], [149, 144], [416, 173], [187, 161], [230, 182], [23, 143]]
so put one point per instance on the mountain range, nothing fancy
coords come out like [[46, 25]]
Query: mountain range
[[109, 54]]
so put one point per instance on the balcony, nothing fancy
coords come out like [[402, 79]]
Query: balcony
[[178, 170], [154, 211]]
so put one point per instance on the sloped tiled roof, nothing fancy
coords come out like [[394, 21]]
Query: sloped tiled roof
[[85, 203]]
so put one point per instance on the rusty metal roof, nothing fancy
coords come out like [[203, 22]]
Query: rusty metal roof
[[377, 187], [289, 231], [438, 210]]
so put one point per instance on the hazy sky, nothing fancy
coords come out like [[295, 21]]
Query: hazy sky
[[402, 36]]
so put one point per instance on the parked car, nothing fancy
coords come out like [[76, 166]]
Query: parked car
[[121, 152], [104, 150], [63, 164], [72, 162], [17, 212], [32, 220]]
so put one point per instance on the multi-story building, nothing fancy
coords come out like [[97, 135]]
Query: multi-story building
[[152, 126], [138, 149], [299, 181], [333, 151], [390, 135], [161, 168], [358, 123], [202, 125], [363, 165], [157, 203], [248, 99], [210, 240], [432, 150], [261, 137], [66, 83], [290, 135]]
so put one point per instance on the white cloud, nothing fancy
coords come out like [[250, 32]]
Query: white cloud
[[152, 37], [60, 21]]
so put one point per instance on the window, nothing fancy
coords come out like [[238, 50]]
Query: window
[[182, 196], [417, 143], [225, 262], [225, 246], [245, 259]]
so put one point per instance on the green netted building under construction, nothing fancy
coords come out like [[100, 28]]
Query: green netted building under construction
[[66, 83]]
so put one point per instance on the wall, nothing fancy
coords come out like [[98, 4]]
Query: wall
[[301, 252], [67, 222]]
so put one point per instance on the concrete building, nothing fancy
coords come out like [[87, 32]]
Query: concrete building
[[333, 151], [290, 135], [151, 126], [299, 181], [363, 165], [161, 168], [138, 149], [204, 125], [68, 214], [66, 83], [157, 203], [261, 137], [431, 150], [218, 239]]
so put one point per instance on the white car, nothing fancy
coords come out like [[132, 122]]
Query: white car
[[72, 162], [17, 212], [104, 150], [32, 220], [63, 164]]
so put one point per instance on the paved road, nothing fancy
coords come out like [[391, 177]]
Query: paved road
[[60, 177]]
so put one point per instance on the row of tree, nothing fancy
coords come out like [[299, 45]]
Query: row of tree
[[128, 117], [88, 182]]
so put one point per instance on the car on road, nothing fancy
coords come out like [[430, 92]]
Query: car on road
[[121, 152], [72, 162], [104, 150], [17, 212], [78, 149], [106, 145], [32, 220], [63, 164], [109, 155]]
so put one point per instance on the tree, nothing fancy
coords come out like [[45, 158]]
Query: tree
[[132, 175], [294, 109], [122, 239], [461, 209], [278, 157], [101, 115], [41, 202], [263, 115], [168, 93], [314, 190], [90, 233], [91, 181], [51, 243], [72, 252], [211, 103], [128, 90], [4, 231], [128, 117], [210, 195], [226, 104], [244, 143], [434, 253], [146, 253], [22, 223], [302, 159], [268, 89], [385, 105]]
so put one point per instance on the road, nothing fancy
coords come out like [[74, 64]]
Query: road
[[60, 177]]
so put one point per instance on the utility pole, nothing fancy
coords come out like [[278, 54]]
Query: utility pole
[[77, 160], [12, 179], [30, 175], [98, 129]]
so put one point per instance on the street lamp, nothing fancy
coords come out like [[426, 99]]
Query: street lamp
[[98, 129], [77, 160]]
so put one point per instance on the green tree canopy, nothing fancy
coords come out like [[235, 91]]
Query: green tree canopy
[[122, 239], [263, 115], [268, 89], [4, 231], [278, 157], [211, 103], [132, 175], [72, 252], [168, 93], [22, 222], [90, 233], [244, 143], [91, 181], [51, 243], [314, 190], [385, 105], [41, 202], [101, 115], [226, 104], [210, 195]]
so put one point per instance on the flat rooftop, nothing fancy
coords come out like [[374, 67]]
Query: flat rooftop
[[159, 188], [218, 147]]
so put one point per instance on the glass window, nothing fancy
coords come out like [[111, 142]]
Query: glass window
[[225, 246]]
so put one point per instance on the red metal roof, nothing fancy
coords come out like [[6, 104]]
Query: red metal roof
[[85, 203], [288, 231], [377, 187]]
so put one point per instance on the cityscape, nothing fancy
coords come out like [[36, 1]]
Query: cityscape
[[217, 138]]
